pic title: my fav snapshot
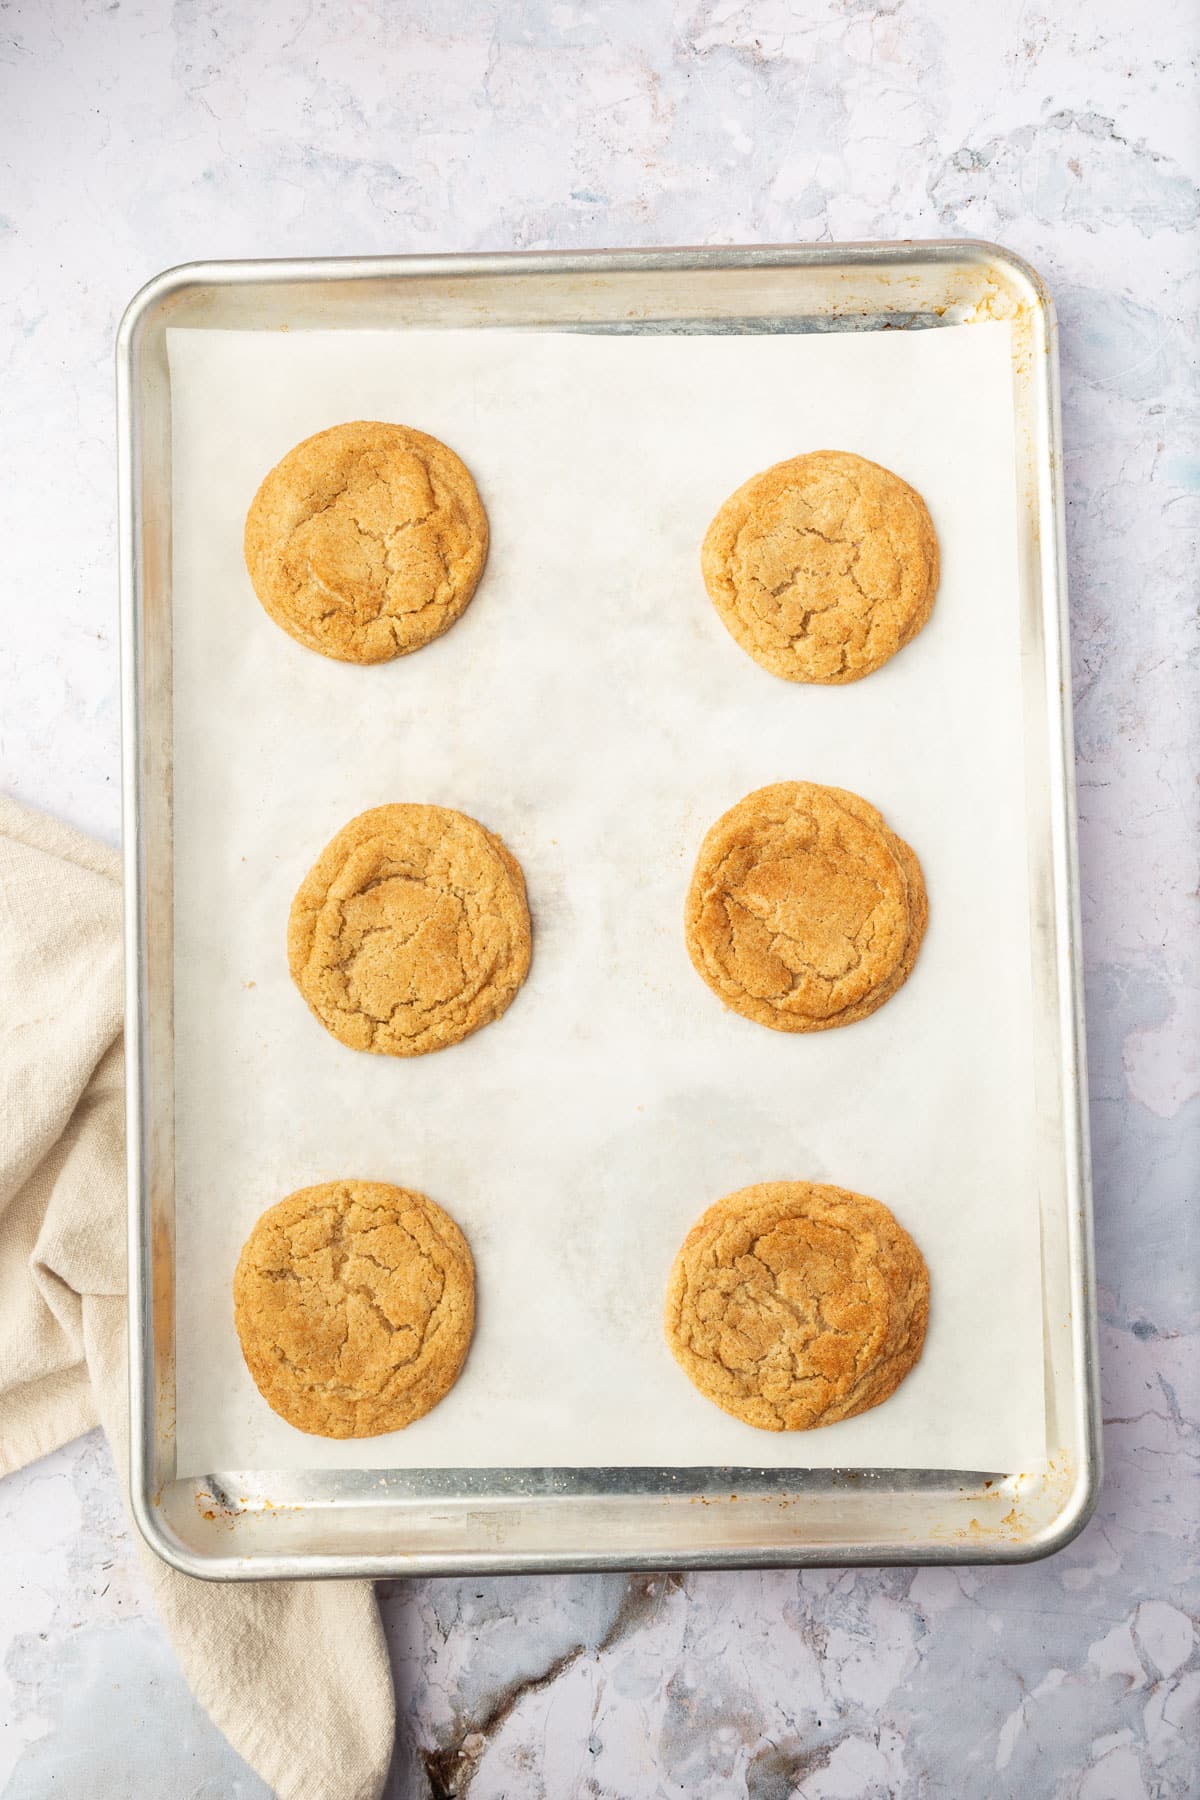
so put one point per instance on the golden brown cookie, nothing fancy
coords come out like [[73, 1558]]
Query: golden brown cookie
[[410, 931], [354, 1303], [792, 1305], [804, 911], [366, 541], [823, 566]]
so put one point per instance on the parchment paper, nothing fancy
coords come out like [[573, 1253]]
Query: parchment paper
[[591, 708]]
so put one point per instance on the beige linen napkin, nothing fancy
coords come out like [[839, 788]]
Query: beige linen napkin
[[294, 1673]]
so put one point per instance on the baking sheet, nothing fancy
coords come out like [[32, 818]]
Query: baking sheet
[[592, 709]]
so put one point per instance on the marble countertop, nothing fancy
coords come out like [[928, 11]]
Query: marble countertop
[[141, 133]]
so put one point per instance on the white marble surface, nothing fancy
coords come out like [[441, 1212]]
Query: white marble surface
[[138, 133]]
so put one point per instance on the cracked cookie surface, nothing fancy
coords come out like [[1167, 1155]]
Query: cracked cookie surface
[[410, 931], [354, 1303], [793, 1305], [367, 541], [823, 566], [805, 911]]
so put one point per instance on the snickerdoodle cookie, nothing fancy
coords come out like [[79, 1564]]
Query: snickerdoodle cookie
[[354, 1303], [804, 911], [366, 541], [823, 566], [792, 1305], [410, 931]]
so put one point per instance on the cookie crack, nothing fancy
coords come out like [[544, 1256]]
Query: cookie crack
[[438, 597], [780, 937], [346, 1248], [392, 1332], [866, 618], [757, 1296]]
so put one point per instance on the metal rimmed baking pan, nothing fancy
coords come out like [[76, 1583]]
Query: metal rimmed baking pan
[[235, 1524]]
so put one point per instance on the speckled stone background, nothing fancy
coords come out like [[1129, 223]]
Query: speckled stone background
[[139, 133]]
